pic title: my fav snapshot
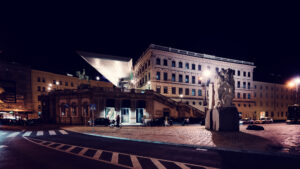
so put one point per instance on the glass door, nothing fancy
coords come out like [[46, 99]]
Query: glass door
[[139, 115], [124, 115]]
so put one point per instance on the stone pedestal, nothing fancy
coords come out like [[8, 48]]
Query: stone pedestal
[[222, 119]]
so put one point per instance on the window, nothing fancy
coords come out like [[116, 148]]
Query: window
[[43, 80], [165, 76], [173, 90], [193, 80], [39, 79], [54, 82], [194, 103], [165, 62], [66, 84], [173, 77], [281, 114], [193, 66], [158, 61], [267, 114], [238, 95], [249, 96], [43, 89], [199, 67], [180, 91], [180, 78], [254, 95], [239, 73], [244, 95], [72, 85], [233, 72], [272, 114], [173, 63], [39, 88], [60, 83], [217, 69], [238, 84], [200, 103], [199, 92], [149, 76], [158, 89], [193, 92], [74, 109], [244, 85], [244, 74], [248, 85], [187, 91], [187, 79], [157, 75], [254, 86], [239, 105], [165, 90], [187, 65], [245, 105], [148, 63], [180, 64], [249, 74]]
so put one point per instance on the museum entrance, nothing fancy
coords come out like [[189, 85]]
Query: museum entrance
[[125, 111]]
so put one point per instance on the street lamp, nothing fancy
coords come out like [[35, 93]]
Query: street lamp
[[295, 83], [97, 78], [181, 96], [206, 74], [149, 83]]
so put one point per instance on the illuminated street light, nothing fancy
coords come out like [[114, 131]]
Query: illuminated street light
[[294, 83], [97, 78], [181, 96], [149, 83], [49, 88], [206, 73], [57, 83], [50, 85]]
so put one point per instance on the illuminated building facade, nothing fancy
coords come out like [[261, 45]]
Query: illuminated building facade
[[184, 76]]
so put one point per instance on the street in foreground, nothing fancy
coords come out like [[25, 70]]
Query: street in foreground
[[58, 148]]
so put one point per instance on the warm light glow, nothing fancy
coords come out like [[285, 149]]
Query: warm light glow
[[200, 78], [49, 88], [206, 73], [297, 80], [132, 81], [181, 95], [291, 84], [57, 83], [97, 78], [294, 82], [148, 82], [50, 84]]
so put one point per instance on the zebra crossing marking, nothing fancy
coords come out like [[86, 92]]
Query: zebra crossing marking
[[52, 132], [3, 146], [60, 146], [181, 165], [115, 156], [83, 151], [97, 154], [63, 132], [40, 133], [14, 134], [135, 162], [27, 133], [157, 163], [2, 133]]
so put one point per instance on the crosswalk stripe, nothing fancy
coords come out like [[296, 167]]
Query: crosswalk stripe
[[97, 154], [14, 134], [135, 162], [60, 146], [63, 132], [157, 164], [27, 133], [70, 149], [114, 158], [52, 132], [181, 165], [39, 133], [83, 151]]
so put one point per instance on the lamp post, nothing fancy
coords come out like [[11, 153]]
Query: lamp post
[[295, 83], [181, 96], [149, 83], [206, 74]]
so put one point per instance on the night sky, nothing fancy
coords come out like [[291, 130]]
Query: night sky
[[47, 35]]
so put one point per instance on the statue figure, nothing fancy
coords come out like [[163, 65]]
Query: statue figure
[[224, 88]]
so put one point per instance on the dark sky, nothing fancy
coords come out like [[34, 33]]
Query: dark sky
[[46, 35]]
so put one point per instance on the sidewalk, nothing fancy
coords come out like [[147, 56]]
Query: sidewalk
[[275, 137]]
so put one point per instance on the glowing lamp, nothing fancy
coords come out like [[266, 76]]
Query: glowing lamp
[[206, 73]]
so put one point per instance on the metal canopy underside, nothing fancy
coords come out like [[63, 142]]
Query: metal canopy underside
[[113, 68]]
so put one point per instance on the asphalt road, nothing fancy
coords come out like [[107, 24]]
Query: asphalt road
[[55, 148]]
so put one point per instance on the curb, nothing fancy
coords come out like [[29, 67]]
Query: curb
[[279, 154]]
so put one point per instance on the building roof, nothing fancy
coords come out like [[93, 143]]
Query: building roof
[[199, 55]]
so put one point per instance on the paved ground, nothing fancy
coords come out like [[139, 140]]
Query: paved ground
[[277, 137], [57, 148]]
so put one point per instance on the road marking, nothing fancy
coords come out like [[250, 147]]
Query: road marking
[[3, 146], [114, 158], [52, 132], [14, 134], [70, 149], [157, 163], [181, 165], [27, 133], [201, 149], [39, 133], [60, 146], [97, 154], [83, 151], [63, 132], [135, 162]]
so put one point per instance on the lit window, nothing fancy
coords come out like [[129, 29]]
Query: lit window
[[187, 79], [157, 75], [193, 92]]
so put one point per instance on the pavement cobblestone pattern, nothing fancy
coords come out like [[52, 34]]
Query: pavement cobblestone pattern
[[277, 137]]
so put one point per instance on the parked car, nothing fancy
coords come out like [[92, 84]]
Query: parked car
[[258, 121], [102, 121], [255, 127], [266, 120], [246, 121]]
